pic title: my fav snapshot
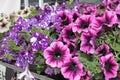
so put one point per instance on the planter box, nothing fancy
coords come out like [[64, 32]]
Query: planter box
[[7, 71]]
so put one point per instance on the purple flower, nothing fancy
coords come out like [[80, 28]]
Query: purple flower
[[86, 76], [90, 10], [73, 69], [96, 24], [75, 16], [118, 15], [87, 43], [57, 54], [23, 58], [103, 49], [71, 46], [65, 18], [39, 41], [112, 4], [50, 71], [82, 24], [109, 18], [68, 35], [109, 66]]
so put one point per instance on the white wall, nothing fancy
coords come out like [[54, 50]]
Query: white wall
[[8, 6]]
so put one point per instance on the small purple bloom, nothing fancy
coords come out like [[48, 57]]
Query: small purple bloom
[[73, 69], [39, 41], [23, 58], [109, 66], [49, 71], [103, 49], [57, 54], [87, 43]]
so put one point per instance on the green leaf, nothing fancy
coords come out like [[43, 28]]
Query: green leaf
[[115, 47], [26, 34], [17, 48], [1, 35], [39, 68], [90, 63], [12, 44], [9, 56], [43, 31]]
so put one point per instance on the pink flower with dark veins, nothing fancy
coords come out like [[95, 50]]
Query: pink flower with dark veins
[[109, 66]]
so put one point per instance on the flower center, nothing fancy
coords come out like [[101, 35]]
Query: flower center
[[75, 16], [107, 21], [88, 40], [63, 17], [107, 66], [118, 16], [70, 34], [25, 12], [65, 22], [50, 24], [73, 66], [103, 51], [71, 47], [57, 54], [3, 25], [84, 24]]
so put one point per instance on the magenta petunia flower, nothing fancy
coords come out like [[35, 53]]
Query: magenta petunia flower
[[75, 16], [68, 35], [112, 4], [109, 66], [118, 15], [57, 54], [71, 46], [90, 10], [86, 76], [109, 18], [65, 18], [103, 49], [73, 69], [96, 25], [82, 24], [87, 43]]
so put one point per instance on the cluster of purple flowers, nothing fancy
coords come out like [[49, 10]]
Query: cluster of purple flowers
[[77, 29]]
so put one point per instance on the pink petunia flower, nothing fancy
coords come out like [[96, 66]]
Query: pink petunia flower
[[68, 35], [75, 16], [118, 15], [109, 18], [73, 69], [71, 46], [109, 66], [65, 18], [103, 49], [57, 54], [82, 24], [87, 43], [112, 4], [96, 25], [86, 76]]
